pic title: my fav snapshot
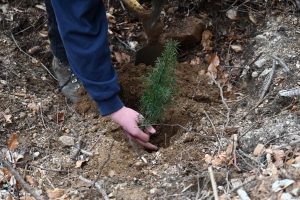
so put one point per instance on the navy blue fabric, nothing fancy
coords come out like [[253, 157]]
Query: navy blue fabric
[[82, 26], [56, 44]]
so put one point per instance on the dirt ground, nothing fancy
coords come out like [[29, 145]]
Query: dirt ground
[[248, 133]]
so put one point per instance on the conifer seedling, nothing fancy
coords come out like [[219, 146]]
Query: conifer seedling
[[159, 86]]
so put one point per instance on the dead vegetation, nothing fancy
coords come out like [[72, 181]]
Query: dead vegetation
[[233, 134]]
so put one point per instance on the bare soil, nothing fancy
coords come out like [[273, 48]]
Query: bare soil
[[202, 122]]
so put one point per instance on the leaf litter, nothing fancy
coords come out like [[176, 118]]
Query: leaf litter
[[275, 168]]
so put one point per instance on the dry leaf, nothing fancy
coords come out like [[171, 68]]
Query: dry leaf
[[281, 184], [56, 193], [206, 40], [110, 18], [13, 143], [252, 18], [29, 179], [34, 50], [6, 117], [208, 158], [232, 14], [195, 61], [212, 68], [118, 57], [229, 149], [80, 162], [43, 33], [125, 57], [35, 108], [236, 48], [27, 197], [259, 149], [60, 116], [278, 156]]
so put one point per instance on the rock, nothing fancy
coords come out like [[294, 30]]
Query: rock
[[186, 32], [22, 115], [260, 62], [67, 140], [153, 190], [254, 74]]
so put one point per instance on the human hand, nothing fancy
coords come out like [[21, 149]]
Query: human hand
[[128, 119]]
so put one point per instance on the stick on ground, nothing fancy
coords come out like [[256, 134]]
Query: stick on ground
[[20, 179]]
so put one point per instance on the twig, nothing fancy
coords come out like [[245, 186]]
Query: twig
[[86, 152], [126, 45], [107, 159], [20, 179], [268, 83], [223, 99], [212, 124], [253, 61], [97, 185], [281, 63], [285, 145], [213, 182], [241, 192], [47, 169], [122, 5], [234, 151], [242, 185], [31, 56], [101, 133], [73, 157]]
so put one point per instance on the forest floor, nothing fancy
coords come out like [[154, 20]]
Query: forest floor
[[237, 111]]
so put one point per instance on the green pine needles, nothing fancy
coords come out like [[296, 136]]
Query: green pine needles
[[159, 85]]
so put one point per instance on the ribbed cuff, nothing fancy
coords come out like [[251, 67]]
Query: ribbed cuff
[[111, 105]]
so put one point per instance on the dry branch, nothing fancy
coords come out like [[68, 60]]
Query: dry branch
[[268, 83], [19, 178], [97, 185], [213, 183]]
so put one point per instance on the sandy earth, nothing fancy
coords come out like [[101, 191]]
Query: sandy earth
[[201, 124]]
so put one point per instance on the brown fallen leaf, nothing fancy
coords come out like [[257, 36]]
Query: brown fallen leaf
[[110, 18], [214, 63], [259, 149], [237, 48], [60, 116], [13, 143], [278, 156], [232, 14], [56, 193], [80, 162], [27, 197], [6, 117], [118, 57], [252, 18], [206, 40], [29, 179], [35, 108]]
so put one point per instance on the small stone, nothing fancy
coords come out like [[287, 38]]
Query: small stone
[[67, 130], [153, 190], [34, 135], [254, 74], [260, 63], [3, 82], [67, 140], [22, 115], [188, 32]]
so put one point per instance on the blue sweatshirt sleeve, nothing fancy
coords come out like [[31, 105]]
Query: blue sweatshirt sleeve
[[83, 28]]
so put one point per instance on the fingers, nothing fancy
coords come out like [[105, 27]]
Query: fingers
[[151, 130], [147, 145]]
